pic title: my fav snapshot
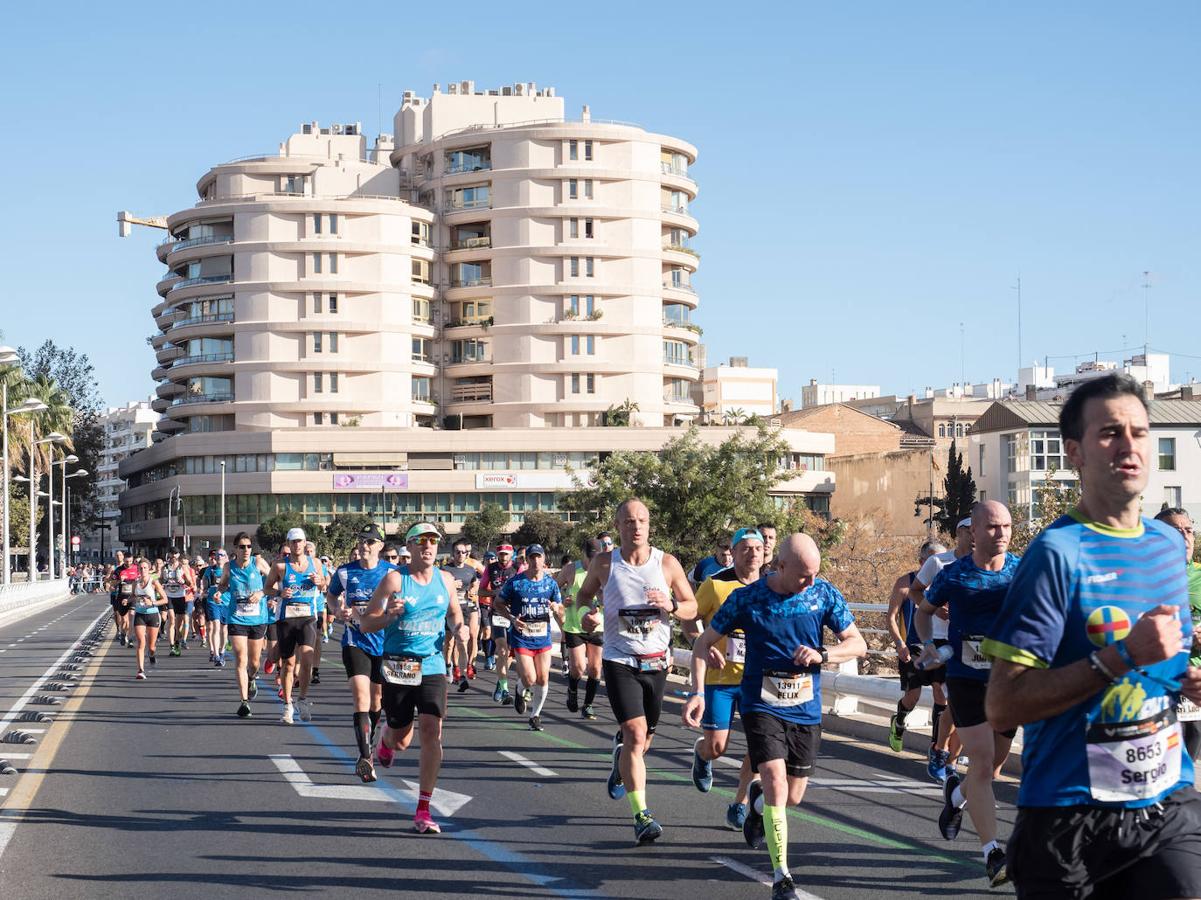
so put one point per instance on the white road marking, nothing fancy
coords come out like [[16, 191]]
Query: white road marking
[[34, 730], [529, 764], [4, 754], [874, 786], [444, 802], [730, 761], [756, 875]]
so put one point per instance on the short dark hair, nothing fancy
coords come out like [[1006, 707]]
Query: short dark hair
[[389, 548], [593, 546], [1117, 384], [242, 534], [1170, 512], [762, 525], [604, 534], [461, 542]]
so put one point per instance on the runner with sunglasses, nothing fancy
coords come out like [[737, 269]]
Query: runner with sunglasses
[[148, 604], [296, 583], [241, 587]]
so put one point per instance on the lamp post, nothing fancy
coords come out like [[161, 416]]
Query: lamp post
[[222, 544], [69, 458], [78, 473], [53, 438], [8, 356]]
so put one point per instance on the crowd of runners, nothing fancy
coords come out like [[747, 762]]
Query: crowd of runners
[[1087, 642]]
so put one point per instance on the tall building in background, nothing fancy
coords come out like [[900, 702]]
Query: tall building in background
[[127, 429], [739, 391], [814, 394], [417, 327]]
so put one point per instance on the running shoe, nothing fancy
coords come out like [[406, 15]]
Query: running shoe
[[784, 889], [573, 701], [141, 676], [896, 734], [325, 638], [384, 755], [752, 828], [497, 692], [121, 638], [471, 673], [244, 710], [617, 788], [736, 816], [951, 817], [458, 674], [305, 706], [588, 712], [423, 824], [490, 663], [153, 660], [536, 723], [702, 769], [997, 868], [522, 700], [463, 685], [287, 717], [279, 692], [505, 698], [268, 667], [215, 661], [936, 766], [646, 829], [254, 688], [365, 770], [175, 651], [316, 679], [220, 662], [183, 645]]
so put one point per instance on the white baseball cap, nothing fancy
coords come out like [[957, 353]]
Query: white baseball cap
[[296, 534]]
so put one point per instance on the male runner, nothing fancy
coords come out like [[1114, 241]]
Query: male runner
[[782, 616], [711, 565], [242, 583], [716, 691], [526, 601], [1091, 656], [296, 582], [323, 562], [1188, 712], [909, 647], [124, 577], [177, 580], [643, 587], [411, 605], [583, 648], [495, 576], [973, 590], [466, 580], [487, 646], [216, 609], [945, 742], [768, 531], [350, 593]]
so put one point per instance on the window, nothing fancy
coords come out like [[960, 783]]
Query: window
[[958, 429], [1011, 455], [573, 189], [575, 266], [581, 306], [573, 228], [588, 233], [421, 310], [421, 389], [591, 384], [333, 303], [333, 342], [316, 303], [573, 150], [474, 197], [316, 223], [472, 160], [333, 382], [333, 418], [1167, 456], [317, 383], [470, 350], [588, 150], [942, 429], [587, 188], [333, 223], [675, 353], [318, 419], [1046, 451], [471, 311], [316, 341], [589, 268], [421, 271], [1172, 497], [584, 344], [333, 264], [421, 234], [470, 274], [421, 349], [575, 382], [316, 263], [980, 471]]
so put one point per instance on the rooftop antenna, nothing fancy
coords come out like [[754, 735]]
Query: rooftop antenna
[[962, 357], [1018, 288], [1146, 312]]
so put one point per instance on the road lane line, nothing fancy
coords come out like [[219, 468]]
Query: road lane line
[[529, 764], [730, 761], [304, 786], [4, 754], [756, 875]]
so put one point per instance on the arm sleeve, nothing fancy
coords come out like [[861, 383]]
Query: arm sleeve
[[926, 573], [838, 616], [729, 616], [1030, 627]]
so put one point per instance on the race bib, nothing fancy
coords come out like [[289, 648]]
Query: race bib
[[971, 656], [467, 607], [1188, 711], [1134, 760], [298, 610], [735, 649], [401, 670], [500, 622], [786, 688], [126, 588], [248, 608], [534, 629], [638, 623]]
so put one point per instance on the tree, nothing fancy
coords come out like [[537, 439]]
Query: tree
[[271, 532], [484, 527], [1052, 498], [958, 497], [340, 534], [546, 529], [696, 492], [619, 416]]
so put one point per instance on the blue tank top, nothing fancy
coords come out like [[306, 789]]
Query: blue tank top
[[144, 599], [419, 630], [243, 582], [303, 603]]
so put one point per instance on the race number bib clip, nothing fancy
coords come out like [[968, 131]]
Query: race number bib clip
[[404, 670], [786, 688]]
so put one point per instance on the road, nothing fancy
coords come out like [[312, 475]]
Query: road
[[144, 789]]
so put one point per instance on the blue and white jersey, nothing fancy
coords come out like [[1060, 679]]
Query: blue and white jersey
[[243, 584], [973, 597], [359, 584], [775, 625], [144, 599], [305, 593], [419, 630], [1080, 587], [530, 601]]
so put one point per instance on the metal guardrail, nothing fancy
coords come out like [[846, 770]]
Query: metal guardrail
[[15, 596]]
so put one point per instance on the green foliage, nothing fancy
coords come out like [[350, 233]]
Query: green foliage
[[1053, 498], [546, 529], [619, 416], [340, 534], [484, 527], [696, 492], [271, 532], [958, 497]]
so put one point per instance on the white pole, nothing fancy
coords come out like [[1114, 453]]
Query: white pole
[[50, 510], [222, 503], [7, 495], [33, 507]]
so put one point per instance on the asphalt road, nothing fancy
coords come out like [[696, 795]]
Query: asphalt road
[[144, 789]]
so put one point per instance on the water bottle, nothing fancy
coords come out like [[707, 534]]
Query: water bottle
[[944, 653]]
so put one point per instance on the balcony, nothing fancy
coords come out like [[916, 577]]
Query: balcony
[[679, 210], [173, 246], [223, 397], [473, 243], [686, 324], [202, 279], [203, 320], [471, 393], [481, 203], [678, 286], [682, 248], [476, 281], [201, 358], [474, 165], [673, 169], [670, 360]]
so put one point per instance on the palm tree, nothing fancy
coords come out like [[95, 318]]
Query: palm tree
[[58, 416]]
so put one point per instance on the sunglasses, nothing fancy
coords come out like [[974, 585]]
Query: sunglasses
[[427, 540], [392, 556]]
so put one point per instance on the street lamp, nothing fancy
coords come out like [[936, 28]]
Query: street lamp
[[78, 473], [52, 438], [8, 357], [69, 458], [222, 544]]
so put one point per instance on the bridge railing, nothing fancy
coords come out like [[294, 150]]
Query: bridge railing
[[15, 597]]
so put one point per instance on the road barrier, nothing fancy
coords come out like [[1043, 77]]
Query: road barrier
[[20, 600]]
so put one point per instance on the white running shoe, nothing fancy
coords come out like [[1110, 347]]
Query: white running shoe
[[306, 709], [287, 717]]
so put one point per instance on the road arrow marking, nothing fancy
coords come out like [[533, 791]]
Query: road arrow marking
[[529, 764], [445, 803]]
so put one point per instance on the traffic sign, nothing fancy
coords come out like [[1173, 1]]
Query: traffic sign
[[74, 540]]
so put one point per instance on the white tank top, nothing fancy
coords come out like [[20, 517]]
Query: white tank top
[[173, 583], [632, 627]]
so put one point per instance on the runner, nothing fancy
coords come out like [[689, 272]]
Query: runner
[[909, 647], [272, 638], [176, 578], [768, 531], [327, 619], [497, 574], [487, 642], [643, 587], [466, 577], [242, 589], [297, 582], [149, 601], [711, 565], [1091, 657], [1188, 712], [411, 606], [782, 616], [945, 742], [216, 609], [196, 600], [526, 601], [583, 648], [349, 595], [973, 590], [716, 691], [124, 577], [323, 563]]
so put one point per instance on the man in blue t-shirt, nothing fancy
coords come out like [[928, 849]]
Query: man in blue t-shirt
[[349, 594], [722, 558], [526, 600], [973, 589], [1091, 656], [782, 616]]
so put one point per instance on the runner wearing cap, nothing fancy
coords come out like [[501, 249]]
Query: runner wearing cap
[[323, 562], [716, 691], [583, 647], [526, 601], [495, 576], [241, 588], [411, 606], [466, 579], [295, 583], [643, 587], [176, 580], [349, 595], [216, 609]]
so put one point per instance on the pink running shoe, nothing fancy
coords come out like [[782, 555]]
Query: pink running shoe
[[423, 824], [384, 755]]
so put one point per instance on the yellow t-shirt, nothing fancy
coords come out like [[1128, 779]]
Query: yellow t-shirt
[[709, 597]]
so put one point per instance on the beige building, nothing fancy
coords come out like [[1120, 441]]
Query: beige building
[[412, 329], [127, 429], [739, 391], [814, 394]]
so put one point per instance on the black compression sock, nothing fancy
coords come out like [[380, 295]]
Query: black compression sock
[[362, 734], [375, 717], [573, 685], [590, 690], [902, 712], [939, 709]]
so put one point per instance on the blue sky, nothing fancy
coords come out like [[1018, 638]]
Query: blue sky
[[871, 175]]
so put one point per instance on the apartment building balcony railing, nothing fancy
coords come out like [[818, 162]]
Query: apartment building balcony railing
[[480, 281], [682, 248], [476, 166], [202, 279], [678, 286], [467, 393], [203, 320], [172, 245], [669, 360], [474, 243], [223, 397], [687, 324], [484, 203], [199, 358], [673, 169], [678, 210]]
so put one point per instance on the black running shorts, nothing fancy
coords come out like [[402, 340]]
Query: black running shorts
[[253, 632], [769, 737], [272, 633], [149, 620], [634, 694], [358, 662], [1101, 853], [179, 605], [402, 703], [966, 698], [573, 640], [913, 677], [295, 633]]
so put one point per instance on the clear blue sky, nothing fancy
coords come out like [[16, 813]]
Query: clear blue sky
[[869, 178]]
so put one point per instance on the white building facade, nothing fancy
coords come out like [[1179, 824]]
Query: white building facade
[[739, 391], [127, 429], [814, 394]]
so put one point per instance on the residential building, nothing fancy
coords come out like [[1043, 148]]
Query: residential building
[[1042, 384], [1015, 447], [944, 419], [814, 394], [738, 390], [127, 429]]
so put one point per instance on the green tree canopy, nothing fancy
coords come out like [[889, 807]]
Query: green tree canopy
[[485, 527], [271, 532], [340, 534], [546, 529], [958, 496]]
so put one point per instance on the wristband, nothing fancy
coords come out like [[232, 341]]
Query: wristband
[[675, 604], [1094, 662], [1124, 652], [929, 643], [695, 694]]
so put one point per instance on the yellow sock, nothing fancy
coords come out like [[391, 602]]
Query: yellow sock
[[637, 801], [775, 824]]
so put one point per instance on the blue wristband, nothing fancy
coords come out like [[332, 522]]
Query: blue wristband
[[1124, 653]]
